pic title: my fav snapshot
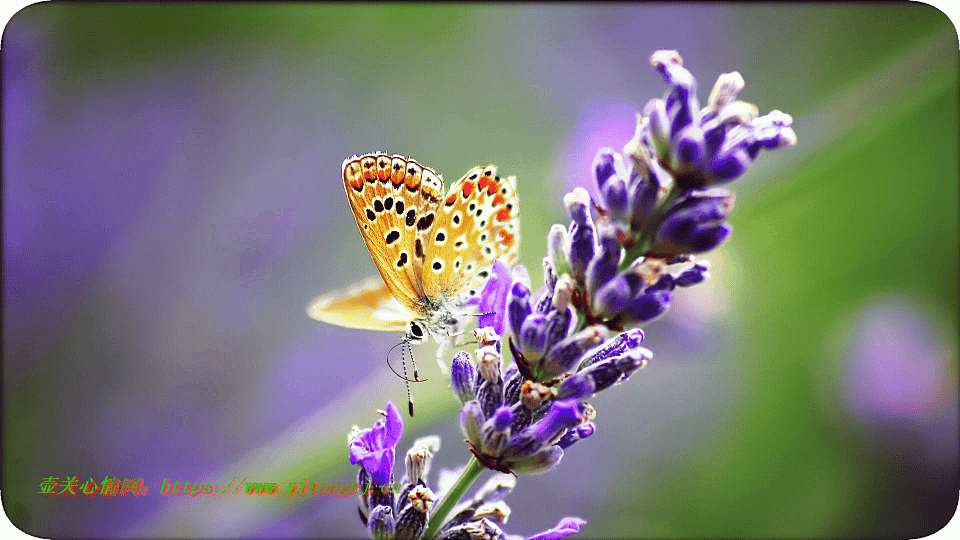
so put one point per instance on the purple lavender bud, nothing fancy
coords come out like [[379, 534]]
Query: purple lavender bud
[[558, 249], [669, 63], [544, 299], [665, 283], [502, 418], [462, 375], [563, 413], [695, 223], [582, 235], [615, 347], [689, 149], [521, 417], [494, 431], [533, 339], [413, 518], [729, 165], [656, 111], [773, 130], [542, 461], [578, 433], [648, 306], [643, 197], [631, 362], [381, 522], [612, 297], [603, 374], [604, 265], [511, 386], [681, 100], [567, 352], [522, 444], [558, 324], [576, 386], [471, 418], [549, 275], [615, 196], [518, 307], [489, 396], [695, 275], [604, 166]]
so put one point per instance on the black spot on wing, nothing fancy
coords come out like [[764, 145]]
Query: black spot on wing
[[418, 249], [425, 222]]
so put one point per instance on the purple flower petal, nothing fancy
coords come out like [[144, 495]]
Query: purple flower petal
[[374, 448], [566, 527], [493, 297]]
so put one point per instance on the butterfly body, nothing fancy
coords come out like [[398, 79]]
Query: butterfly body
[[432, 249]]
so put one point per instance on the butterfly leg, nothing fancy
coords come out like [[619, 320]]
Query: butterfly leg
[[443, 345]]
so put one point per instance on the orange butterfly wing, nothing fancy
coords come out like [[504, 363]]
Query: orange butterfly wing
[[477, 222], [391, 198]]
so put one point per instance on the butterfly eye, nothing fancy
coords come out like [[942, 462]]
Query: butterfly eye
[[415, 330]]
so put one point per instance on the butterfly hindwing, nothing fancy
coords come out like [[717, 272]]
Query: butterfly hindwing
[[366, 306], [476, 223]]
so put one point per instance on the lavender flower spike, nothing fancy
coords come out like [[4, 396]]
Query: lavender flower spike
[[374, 448]]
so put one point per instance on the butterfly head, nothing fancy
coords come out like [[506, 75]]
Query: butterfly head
[[416, 332]]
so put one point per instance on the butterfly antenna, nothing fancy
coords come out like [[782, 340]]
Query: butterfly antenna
[[406, 383], [413, 360], [394, 370]]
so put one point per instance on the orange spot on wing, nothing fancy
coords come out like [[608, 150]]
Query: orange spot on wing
[[467, 189], [492, 187], [412, 181], [503, 214], [398, 168], [369, 166], [451, 199], [498, 200], [482, 183], [507, 238]]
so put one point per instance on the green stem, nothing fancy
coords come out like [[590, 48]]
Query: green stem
[[467, 477]]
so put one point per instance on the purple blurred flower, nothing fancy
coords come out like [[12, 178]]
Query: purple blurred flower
[[899, 383], [373, 448]]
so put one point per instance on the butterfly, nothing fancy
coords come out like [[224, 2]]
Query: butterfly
[[432, 249]]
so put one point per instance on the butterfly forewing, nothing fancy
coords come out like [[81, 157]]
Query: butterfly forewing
[[476, 222], [386, 196]]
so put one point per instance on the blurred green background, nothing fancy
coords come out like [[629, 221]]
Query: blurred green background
[[172, 201]]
